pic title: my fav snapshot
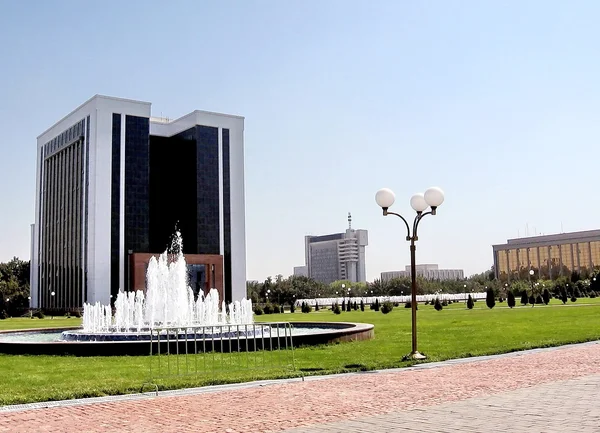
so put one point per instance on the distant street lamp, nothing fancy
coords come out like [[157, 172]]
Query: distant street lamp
[[465, 290], [432, 198], [52, 303]]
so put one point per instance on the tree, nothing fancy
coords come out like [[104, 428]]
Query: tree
[[490, 299], [470, 303], [362, 305], [438, 304], [510, 300]]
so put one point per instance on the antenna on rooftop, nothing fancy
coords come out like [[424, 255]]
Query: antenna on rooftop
[[349, 221]]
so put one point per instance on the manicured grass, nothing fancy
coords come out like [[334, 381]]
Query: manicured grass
[[451, 333], [48, 322]]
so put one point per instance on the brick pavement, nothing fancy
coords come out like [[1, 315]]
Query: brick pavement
[[374, 401]]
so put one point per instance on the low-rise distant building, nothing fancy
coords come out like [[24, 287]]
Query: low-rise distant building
[[427, 271], [549, 256], [301, 271]]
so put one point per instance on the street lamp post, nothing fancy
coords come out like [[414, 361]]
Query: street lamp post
[[432, 198], [465, 289]]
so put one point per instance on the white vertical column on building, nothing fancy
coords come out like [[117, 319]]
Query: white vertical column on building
[[33, 268], [238, 212], [122, 208], [35, 240]]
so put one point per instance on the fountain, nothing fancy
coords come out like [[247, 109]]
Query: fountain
[[168, 302]]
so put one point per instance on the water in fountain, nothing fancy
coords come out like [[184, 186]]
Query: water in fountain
[[168, 301]]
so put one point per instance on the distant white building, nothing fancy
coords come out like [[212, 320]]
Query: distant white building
[[301, 271], [427, 271], [337, 256]]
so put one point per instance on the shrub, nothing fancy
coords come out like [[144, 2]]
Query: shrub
[[306, 308], [76, 314], [372, 306], [444, 303], [490, 300], [386, 307], [500, 300], [426, 302], [408, 305], [275, 309], [563, 295], [292, 307], [258, 311], [336, 308], [592, 294], [355, 306], [573, 299], [349, 306], [376, 305], [39, 314], [396, 304], [437, 305], [546, 296], [3, 315], [470, 303], [539, 299], [362, 305], [268, 309], [344, 305], [510, 300], [316, 306], [524, 298]]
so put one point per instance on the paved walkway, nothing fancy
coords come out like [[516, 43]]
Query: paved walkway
[[539, 391]]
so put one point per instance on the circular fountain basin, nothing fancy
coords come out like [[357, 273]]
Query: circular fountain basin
[[73, 341]]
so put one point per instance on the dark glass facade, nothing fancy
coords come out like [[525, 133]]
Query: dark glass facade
[[226, 215], [115, 203], [137, 194], [61, 220]]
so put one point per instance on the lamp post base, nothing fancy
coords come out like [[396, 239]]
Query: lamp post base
[[416, 356]]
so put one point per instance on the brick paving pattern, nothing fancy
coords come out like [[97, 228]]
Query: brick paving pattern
[[384, 401]]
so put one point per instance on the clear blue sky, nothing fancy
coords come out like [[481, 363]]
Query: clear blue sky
[[496, 102]]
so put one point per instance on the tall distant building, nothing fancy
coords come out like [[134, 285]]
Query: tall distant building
[[301, 271], [113, 184], [427, 271], [338, 256], [549, 256]]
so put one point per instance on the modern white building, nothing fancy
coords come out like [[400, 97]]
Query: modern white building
[[338, 256], [113, 182], [427, 271]]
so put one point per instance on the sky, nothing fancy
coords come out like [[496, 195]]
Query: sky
[[497, 103]]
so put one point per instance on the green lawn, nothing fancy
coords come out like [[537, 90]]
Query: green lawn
[[451, 333]]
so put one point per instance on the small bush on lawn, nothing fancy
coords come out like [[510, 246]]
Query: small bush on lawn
[[546, 296], [592, 294], [306, 308], [563, 295], [444, 303], [355, 306], [510, 300], [268, 309], [426, 302], [39, 314], [362, 305], [531, 300], [470, 303], [407, 305], [258, 311], [344, 305], [386, 307], [539, 299], [438, 305], [490, 301], [524, 298], [316, 306], [371, 306], [336, 309], [349, 306], [376, 305], [76, 314], [275, 309], [573, 298], [292, 307]]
